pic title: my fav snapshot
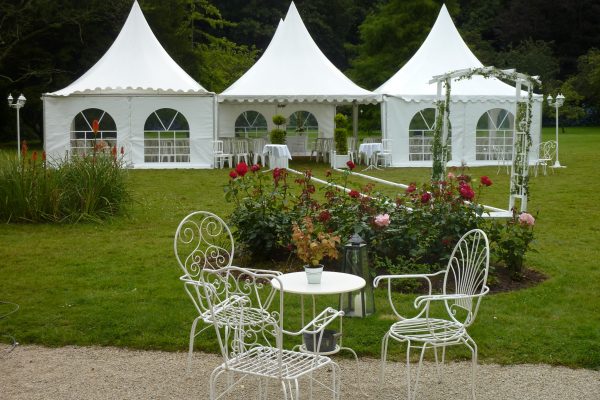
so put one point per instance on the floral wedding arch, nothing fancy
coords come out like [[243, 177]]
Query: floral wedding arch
[[519, 179]]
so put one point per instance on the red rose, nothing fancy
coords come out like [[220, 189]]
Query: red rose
[[425, 197], [411, 188], [122, 150], [486, 181], [255, 168], [350, 165], [354, 194], [233, 174], [241, 168], [276, 173], [466, 192], [324, 216]]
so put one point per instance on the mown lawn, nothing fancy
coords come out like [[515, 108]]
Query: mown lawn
[[117, 283]]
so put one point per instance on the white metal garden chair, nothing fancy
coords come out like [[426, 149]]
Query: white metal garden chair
[[463, 288], [546, 153], [247, 313], [202, 242], [220, 155], [385, 155], [241, 151]]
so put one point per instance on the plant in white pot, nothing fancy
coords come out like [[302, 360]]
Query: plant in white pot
[[312, 245], [340, 137]]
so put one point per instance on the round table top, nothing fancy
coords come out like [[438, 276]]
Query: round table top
[[331, 283]]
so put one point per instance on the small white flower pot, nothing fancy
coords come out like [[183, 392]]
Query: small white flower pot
[[313, 274]]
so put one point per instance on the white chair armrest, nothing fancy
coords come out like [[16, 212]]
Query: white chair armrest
[[405, 276], [319, 323], [438, 297]]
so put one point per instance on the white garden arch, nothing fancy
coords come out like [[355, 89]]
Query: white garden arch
[[523, 109]]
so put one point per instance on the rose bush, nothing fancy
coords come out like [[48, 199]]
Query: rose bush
[[416, 231]]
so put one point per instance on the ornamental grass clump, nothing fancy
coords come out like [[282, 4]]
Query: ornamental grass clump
[[34, 189]]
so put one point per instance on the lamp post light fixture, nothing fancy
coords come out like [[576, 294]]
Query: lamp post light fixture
[[17, 105], [557, 103]]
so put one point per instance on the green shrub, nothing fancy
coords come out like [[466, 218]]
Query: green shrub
[[510, 240], [279, 120], [80, 188], [277, 136], [340, 134]]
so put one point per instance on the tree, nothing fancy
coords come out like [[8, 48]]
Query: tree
[[533, 57], [390, 36]]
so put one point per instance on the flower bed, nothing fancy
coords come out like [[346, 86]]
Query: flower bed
[[414, 232]]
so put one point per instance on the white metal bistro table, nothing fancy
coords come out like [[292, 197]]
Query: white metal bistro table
[[278, 154], [370, 151], [331, 283]]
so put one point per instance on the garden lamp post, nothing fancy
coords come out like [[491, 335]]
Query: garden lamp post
[[557, 103], [17, 105]]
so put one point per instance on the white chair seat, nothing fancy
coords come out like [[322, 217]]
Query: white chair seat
[[427, 330], [264, 361], [237, 316]]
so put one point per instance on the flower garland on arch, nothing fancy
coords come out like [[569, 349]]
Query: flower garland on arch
[[519, 179]]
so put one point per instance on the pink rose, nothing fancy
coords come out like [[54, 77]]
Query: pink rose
[[451, 175], [382, 220], [526, 219]]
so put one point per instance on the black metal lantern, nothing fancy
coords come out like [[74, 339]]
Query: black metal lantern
[[356, 261]]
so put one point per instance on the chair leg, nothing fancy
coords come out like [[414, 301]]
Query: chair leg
[[419, 371], [473, 347], [191, 345], [384, 347]]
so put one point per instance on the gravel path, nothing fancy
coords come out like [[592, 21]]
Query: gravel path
[[33, 372]]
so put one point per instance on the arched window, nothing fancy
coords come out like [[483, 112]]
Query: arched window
[[420, 136], [495, 135], [166, 137], [302, 122], [251, 124], [83, 139]]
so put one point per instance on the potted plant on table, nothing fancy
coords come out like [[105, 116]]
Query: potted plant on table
[[340, 137], [312, 245]]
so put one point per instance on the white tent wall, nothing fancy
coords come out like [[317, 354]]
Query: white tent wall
[[398, 112], [229, 112], [130, 114]]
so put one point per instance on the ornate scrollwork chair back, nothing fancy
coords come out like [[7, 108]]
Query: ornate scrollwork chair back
[[202, 242], [467, 275]]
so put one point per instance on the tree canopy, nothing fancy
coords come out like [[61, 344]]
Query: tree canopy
[[47, 44]]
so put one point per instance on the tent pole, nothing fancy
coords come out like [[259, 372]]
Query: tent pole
[[355, 120]]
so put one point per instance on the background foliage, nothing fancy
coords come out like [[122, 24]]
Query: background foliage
[[47, 44]]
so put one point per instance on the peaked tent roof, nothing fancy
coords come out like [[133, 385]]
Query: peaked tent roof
[[443, 51], [135, 63], [293, 68]]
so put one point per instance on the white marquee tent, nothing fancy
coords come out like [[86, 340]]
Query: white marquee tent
[[144, 102], [481, 111], [292, 75]]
